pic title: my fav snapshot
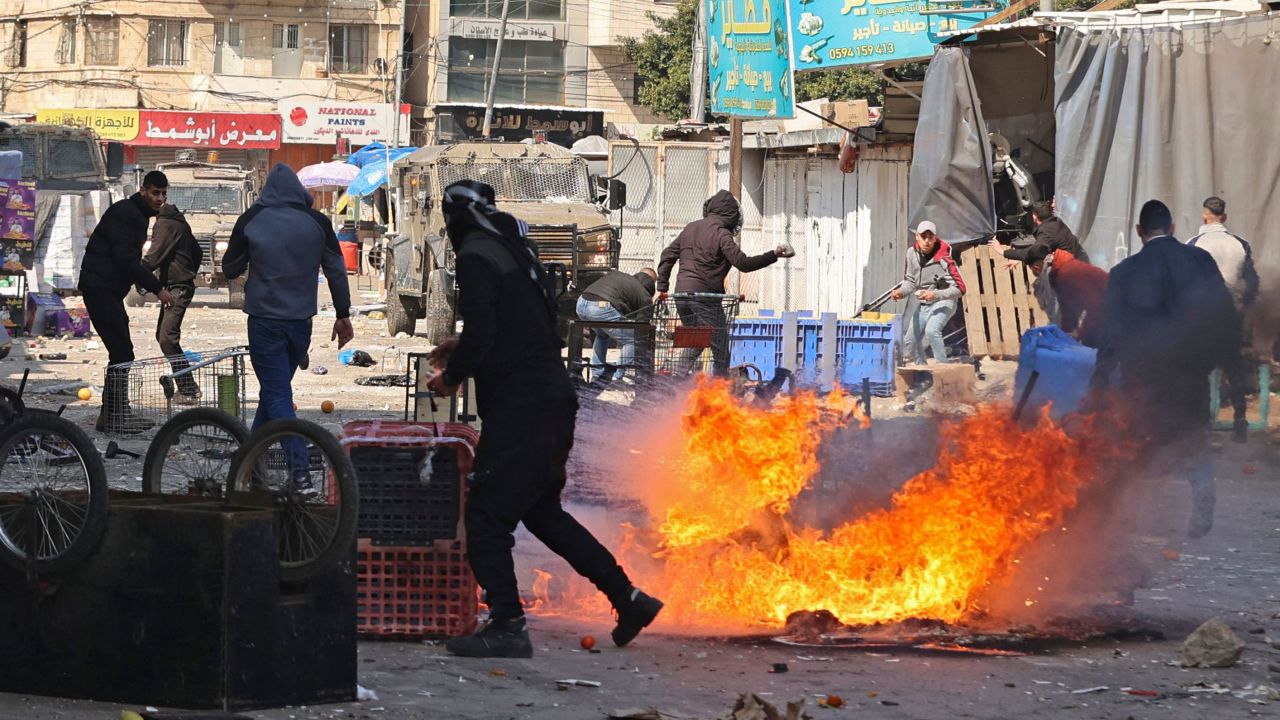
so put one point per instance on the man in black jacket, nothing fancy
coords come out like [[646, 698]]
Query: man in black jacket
[[617, 297], [1050, 232], [175, 255], [510, 346], [706, 249], [112, 264], [1167, 321]]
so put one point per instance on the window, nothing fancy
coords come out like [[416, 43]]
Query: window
[[637, 84], [17, 55], [518, 9], [25, 144], [349, 49], [284, 37], [228, 46], [531, 72], [167, 43], [71, 157], [67, 43], [102, 41]]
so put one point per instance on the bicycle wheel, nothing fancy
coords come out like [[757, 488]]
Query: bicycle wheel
[[53, 493], [304, 472], [192, 453]]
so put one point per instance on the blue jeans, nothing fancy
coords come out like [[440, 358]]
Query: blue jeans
[[929, 320], [595, 311], [276, 347]]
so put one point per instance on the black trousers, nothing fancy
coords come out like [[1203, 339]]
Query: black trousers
[[519, 475], [111, 322], [169, 335]]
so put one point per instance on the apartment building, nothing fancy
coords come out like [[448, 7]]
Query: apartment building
[[254, 82], [562, 71]]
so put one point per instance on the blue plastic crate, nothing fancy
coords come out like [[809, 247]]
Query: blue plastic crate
[[867, 350], [759, 341]]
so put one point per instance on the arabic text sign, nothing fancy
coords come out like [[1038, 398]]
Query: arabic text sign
[[837, 33], [168, 128], [561, 126], [320, 122], [118, 125], [748, 58]]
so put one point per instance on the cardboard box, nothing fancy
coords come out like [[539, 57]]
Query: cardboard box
[[850, 113], [42, 313]]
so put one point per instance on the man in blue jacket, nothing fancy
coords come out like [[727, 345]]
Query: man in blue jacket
[[283, 243]]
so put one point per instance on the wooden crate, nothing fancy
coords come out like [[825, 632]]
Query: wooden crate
[[998, 304]]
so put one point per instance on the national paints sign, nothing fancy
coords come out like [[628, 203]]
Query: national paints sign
[[841, 33], [749, 58], [320, 122]]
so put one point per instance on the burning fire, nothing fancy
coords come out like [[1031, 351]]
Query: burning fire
[[727, 554]]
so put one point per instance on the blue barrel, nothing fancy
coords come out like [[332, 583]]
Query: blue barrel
[[1065, 368]]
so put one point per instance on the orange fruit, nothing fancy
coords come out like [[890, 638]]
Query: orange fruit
[[326, 406], [84, 394], [834, 701], [1171, 554], [588, 642]]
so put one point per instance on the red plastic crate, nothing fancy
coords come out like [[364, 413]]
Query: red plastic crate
[[414, 592]]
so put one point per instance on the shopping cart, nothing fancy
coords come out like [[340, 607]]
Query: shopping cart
[[691, 333], [157, 390]]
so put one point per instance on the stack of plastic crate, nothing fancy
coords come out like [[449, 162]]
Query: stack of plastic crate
[[867, 349], [413, 579]]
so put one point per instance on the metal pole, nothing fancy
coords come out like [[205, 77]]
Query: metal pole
[[735, 158], [698, 78], [392, 211], [493, 75]]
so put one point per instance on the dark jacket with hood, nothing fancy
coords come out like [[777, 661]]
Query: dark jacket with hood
[[283, 243], [706, 250], [626, 293], [1054, 235], [174, 252], [113, 257]]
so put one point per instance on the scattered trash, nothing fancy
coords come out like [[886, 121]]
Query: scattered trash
[[92, 345], [356, 358], [779, 668], [635, 714], [1258, 694], [497, 672], [566, 684], [807, 658], [1250, 469], [832, 701], [1140, 693], [365, 694], [587, 642], [1204, 688], [376, 315], [750, 707], [1213, 644], [1171, 554], [52, 356], [326, 407], [889, 703], [1086, 691], [401, 380], [319, 370], [114, 451]]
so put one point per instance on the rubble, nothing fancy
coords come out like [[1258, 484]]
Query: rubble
[[750, 707], [1213, 644]]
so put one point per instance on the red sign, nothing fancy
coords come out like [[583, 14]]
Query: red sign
[[172, 128]]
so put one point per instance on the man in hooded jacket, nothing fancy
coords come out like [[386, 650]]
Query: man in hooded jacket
[[112, 264], [510, 346], [706, 250], [284, 243], [175, 255]]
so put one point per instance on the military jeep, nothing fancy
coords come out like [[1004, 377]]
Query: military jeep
[[544, 185]]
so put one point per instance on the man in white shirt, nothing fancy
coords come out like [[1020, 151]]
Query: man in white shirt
[[1231, 252]]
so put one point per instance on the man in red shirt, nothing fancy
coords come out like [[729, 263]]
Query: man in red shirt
[[1080, 288]]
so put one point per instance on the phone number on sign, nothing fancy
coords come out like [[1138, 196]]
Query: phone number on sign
[[842, 53]]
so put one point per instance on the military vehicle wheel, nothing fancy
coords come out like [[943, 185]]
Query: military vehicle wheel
[[135, 299], [439, 315], [402, 313], [235, 294]]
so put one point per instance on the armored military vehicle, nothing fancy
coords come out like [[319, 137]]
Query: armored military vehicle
[[544, 185]]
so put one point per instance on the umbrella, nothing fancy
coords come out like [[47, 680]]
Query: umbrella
[[327, 177], [373, 170]]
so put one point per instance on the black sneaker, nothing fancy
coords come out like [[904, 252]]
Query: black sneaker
[[497, 639], [634, 615]]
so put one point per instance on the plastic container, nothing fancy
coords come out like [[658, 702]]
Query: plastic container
[[868, 350], [414, 592], [759, 341], [1065, 368], [350, 254]]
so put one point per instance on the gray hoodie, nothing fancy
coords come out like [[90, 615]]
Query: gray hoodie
[[284, 243]]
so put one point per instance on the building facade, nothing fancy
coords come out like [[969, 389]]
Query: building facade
[[562, 70], [292, 76]]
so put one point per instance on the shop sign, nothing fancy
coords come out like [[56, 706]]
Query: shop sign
[[482, 30], [117, 125], [749, 58], [866, 32], [169, 128], [17, 226], [559, 126], [320, 122]]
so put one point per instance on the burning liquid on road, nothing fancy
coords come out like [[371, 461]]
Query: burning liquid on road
[[728, 555]]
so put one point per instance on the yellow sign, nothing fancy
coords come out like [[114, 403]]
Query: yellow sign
[[119, 125]]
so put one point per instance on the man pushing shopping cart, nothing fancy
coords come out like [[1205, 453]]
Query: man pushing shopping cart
[[706, 249]]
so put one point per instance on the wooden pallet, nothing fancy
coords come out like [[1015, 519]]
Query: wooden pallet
[[998, 304]]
